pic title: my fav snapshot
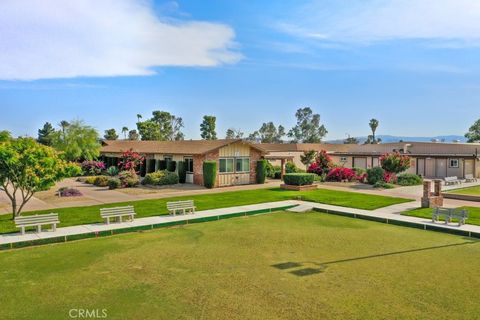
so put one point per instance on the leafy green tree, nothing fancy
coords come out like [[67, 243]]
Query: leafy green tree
[[308, 128], [207, 128], [139, 116], [78, 142], [133, 135], [64, 125], [149, 130], [125, 131], [45, 134], [269, 133], [111, 134], [234, 134], [5, 136], [351, 140], [27, 167], [473, 133], [308, 157]]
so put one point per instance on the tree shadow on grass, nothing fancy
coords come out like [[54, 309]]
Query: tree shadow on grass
[[321, 266]]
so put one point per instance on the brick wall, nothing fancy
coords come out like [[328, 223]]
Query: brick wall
[[198, 166], [255, 155]]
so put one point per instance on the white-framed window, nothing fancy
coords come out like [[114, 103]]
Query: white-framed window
[[242, 164], [188, 164], [226, 165], [343, 159], [453, 163]]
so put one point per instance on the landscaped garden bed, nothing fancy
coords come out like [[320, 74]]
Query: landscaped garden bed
[[309, 266]]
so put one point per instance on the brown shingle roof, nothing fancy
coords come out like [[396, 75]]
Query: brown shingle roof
[[189, 147]]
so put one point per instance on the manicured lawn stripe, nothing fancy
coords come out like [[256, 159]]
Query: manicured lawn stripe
[[145, 208], [272, 266], [474, 191], [473, 214]]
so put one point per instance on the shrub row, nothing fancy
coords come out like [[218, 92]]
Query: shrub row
[[161, 178], [298, 179]]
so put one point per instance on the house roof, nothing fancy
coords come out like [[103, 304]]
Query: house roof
[[413, 148], [189, 147]]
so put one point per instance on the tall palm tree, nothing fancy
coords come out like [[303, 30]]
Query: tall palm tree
[[125, 130], [373, 126], [139, 116], [64, 125]]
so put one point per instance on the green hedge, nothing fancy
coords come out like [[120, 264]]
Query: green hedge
[[298, 179], [409, 179], [160, 178], [182, 171], [209, 173], [261, 171], [171, 166]]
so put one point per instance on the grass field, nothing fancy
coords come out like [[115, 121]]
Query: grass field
[[473, 214], [273, 266], [145, 208], [472, 191]]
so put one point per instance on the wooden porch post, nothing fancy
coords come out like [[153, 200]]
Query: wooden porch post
[[282, 173]]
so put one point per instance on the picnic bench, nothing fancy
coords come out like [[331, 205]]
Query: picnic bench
[[452, 180], [37, 221], [448, 214], [117, 213], [470, 178], [184, 207]]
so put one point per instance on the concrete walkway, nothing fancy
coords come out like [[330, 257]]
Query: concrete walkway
[[386, 215]]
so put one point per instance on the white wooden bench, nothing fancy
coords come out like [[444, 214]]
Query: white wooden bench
[[452, 180], [117, 213], [470, 178], [184, 207], [37, 221], [450, 214]]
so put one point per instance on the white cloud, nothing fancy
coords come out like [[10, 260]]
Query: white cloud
[[368, 21], [62, 39]]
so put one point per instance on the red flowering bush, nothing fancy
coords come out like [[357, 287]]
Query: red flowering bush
[[130, 161], [341, 174], [390, 177], [395, 162], [323, 163]]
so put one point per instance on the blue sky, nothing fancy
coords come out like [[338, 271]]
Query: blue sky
[[414, 65]]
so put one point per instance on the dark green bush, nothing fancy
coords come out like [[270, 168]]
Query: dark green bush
[[182, 171], [375, 175], [409, 179], [298, 179], [209, 173], [101, 181], [171, 166], [114, 183], [261, 171]]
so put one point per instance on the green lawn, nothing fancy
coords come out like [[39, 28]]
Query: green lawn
[[145, 208], [272, 266], [473, 214], [474, 191]]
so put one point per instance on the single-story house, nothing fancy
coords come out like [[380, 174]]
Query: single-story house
[[429, 159], [236, 159]]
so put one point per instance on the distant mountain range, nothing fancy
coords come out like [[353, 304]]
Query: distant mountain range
[[387, 138]]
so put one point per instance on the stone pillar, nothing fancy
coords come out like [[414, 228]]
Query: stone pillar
[[427, 186], [438, 187]]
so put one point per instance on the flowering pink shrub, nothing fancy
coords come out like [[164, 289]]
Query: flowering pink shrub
[[323, 163], [395, 162], [341, 174], [390, 177], [130, 161], [92, 168]]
